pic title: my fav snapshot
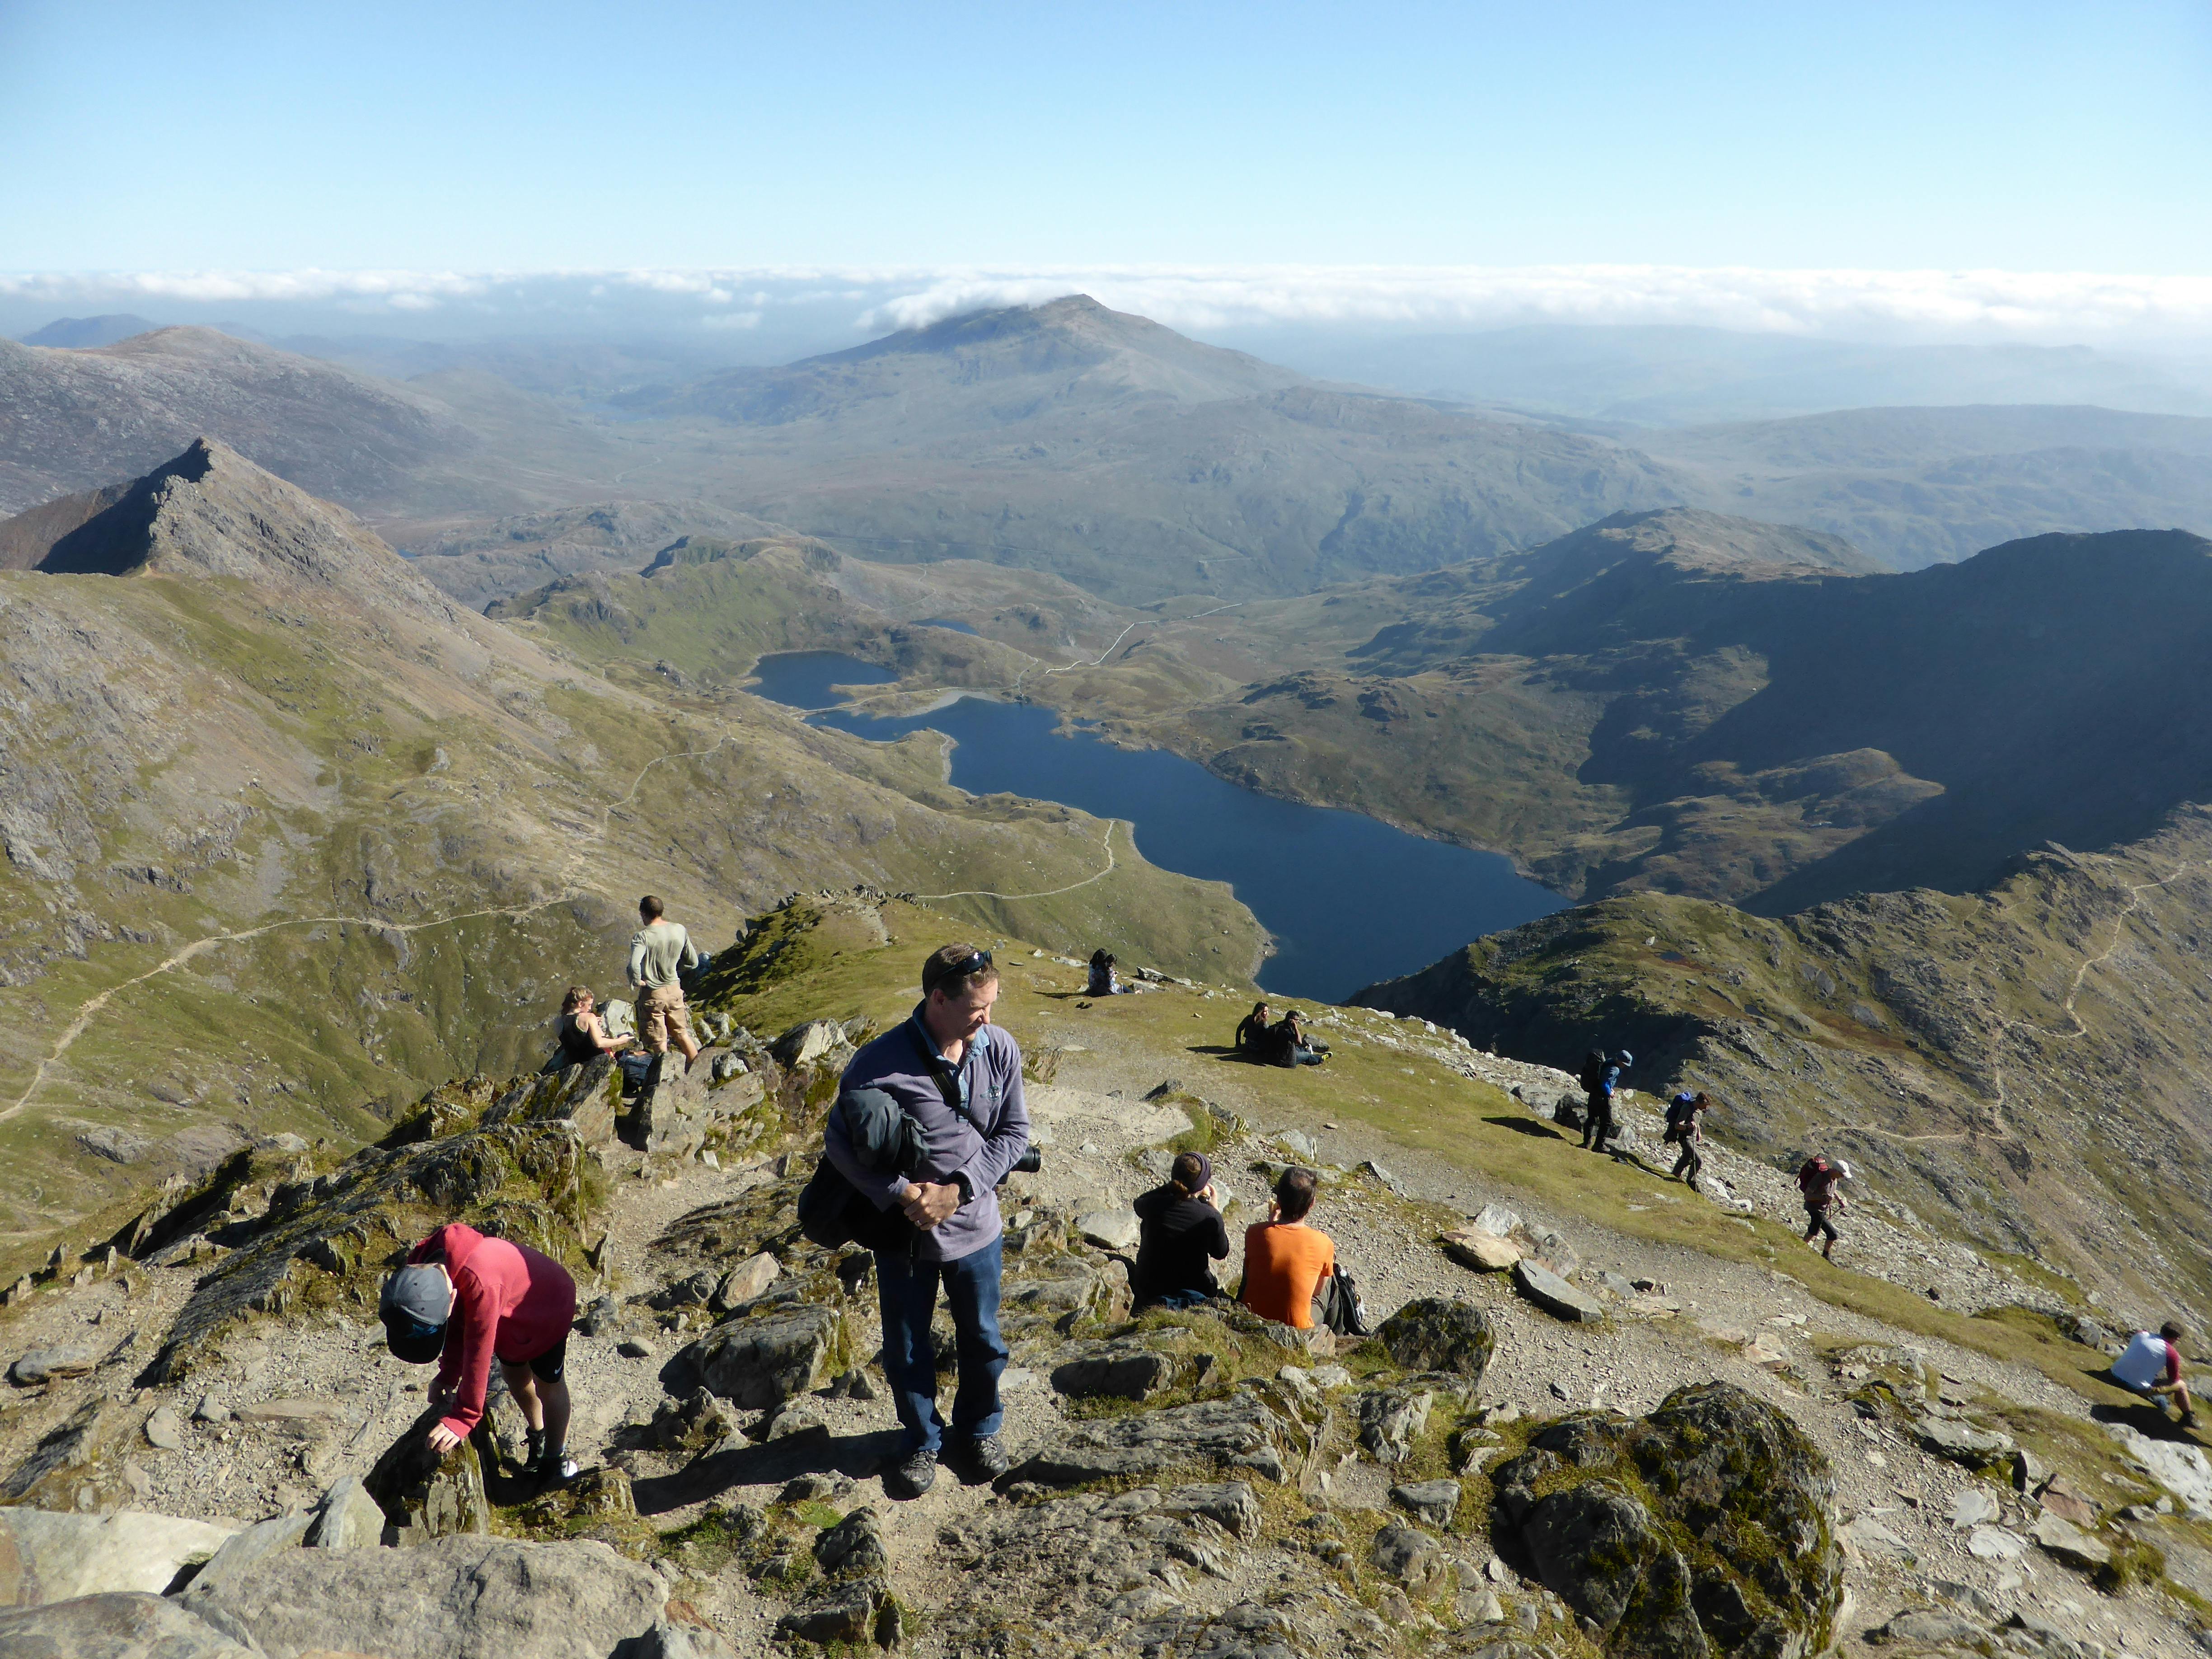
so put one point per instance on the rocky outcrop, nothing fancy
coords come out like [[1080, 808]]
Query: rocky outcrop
[[1435, 1333], [120, 1625], [320, 1234], [1701, 1528], [768, 1353], [1242, 1431], [50, 1556], [425, 1496], [454, 1598]]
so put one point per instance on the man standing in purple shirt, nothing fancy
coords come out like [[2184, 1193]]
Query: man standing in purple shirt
[[959, 1078]]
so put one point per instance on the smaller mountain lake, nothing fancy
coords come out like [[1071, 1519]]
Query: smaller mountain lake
[[1348, 899]]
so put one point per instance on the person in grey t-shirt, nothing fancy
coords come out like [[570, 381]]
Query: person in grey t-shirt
[[959, 1078], [659, 951]]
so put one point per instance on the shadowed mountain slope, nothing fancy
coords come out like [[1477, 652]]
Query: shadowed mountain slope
[[2031, 1061]]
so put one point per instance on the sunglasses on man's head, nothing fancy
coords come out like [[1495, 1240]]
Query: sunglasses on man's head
[[976, 962]]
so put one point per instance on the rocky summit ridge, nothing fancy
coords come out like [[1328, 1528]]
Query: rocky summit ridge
[[1610, 1447]]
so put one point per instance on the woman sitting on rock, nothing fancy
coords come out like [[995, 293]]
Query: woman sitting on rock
[[1105, 979], [1252, 1031], [583, 1031]]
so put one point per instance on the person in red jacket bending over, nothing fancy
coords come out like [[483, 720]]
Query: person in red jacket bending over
[[463, 1299]]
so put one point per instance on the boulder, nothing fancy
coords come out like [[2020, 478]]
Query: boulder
[[846, 1615], [1700, 1528], [425, 1496], [1541, 1285], [51, 1364], [1994, 1544], [2183, 1470], [1109, 1230], [163, 1432], [854, 1547], [1229, 1505], [50, 1556], [1928, 1627], [807, 1042], [695, 1424], [118, 1625], [1389, 1418], [680, 1111], [1484, 1252], [1962, 1442], [1498, 1220], [1239, 1431], [1122, 1370], [763, 1359], [587, 1096], [347, 1518], [1437, 1334], [243, 1549], [746, 1281], [2068, 1543], [454, 1598], [1432, 1502], [1412, 1557], [1972, 1507]]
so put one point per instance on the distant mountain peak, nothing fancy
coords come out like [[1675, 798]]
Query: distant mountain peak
[[76, 333], [210, 511]]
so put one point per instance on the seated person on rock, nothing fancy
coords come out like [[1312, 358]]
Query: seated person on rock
[[1252, 1031], [582, 1029], [1179, 1234], [1105, 978], [463, 1299], [1285, 1258], [2151, 1366], [1288, 1045]]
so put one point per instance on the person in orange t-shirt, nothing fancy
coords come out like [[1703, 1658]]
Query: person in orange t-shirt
[[1285, 1260]]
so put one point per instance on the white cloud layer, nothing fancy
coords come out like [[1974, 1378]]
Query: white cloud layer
[[1947, 304]]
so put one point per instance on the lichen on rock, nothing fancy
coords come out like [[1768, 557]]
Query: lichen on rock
[[1701, 1528]]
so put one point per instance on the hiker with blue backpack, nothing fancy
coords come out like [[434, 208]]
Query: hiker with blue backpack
[[1685, 1131], [1600, 1077]]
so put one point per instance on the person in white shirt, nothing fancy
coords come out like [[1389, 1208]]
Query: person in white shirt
[[2151, 1366], [659, 953]]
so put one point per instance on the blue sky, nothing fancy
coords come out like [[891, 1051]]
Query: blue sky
[[473, 136]]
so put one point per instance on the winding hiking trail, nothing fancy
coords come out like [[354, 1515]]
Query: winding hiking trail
[[1111, 825], [572, 888], [2001, 1028]]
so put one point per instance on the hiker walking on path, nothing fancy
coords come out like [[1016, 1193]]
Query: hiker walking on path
[[1600, 1077], [463, 1299], [1818, 1181], [959, 1078], [583, 1030], [659, 951], [1180, 1235], [1285, 1258], [1686, 1129], [2151, 1366], [1252, 1031]]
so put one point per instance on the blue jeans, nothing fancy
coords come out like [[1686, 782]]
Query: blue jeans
[[1178, 1300], [906, 1291]]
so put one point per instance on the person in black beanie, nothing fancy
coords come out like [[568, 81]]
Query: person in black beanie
[[1180, 1234]]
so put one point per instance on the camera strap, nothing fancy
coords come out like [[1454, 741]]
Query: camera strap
[[948, 1077]]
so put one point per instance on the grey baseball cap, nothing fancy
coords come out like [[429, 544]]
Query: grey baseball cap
[[417, 1302]]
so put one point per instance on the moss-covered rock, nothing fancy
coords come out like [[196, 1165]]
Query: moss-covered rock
[[1440, 1333], [1703, 1527], [426, 1496]]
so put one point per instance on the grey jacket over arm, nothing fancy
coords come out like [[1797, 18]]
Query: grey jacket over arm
[[975, 1154]]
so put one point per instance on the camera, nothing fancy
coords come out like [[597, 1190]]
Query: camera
[[1028, 1163]]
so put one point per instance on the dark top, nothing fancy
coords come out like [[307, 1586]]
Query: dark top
[[577, 1048], [1176, 1234], [1251, 1031]]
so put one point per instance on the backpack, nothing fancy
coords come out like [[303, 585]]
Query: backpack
[[1593, 1072], [831, 1211], [1337, 1307], [1681, 1111]]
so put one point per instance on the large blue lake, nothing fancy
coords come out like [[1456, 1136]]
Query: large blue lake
[[1349, 899]]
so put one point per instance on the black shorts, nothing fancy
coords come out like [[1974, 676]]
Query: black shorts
[[548, 1365]]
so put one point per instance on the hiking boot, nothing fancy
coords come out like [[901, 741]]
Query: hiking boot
[[2189, 1419], [913, 1475], [985, 1456], [535, 1454], [554, 1466]]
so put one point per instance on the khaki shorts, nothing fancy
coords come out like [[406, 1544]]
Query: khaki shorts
[[662, 1019]]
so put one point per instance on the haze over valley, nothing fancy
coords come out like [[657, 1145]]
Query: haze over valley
[[1644, 576]]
